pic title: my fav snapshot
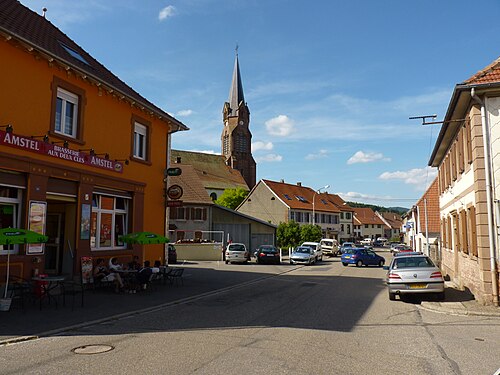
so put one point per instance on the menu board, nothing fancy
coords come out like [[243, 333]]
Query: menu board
[[36, 222]]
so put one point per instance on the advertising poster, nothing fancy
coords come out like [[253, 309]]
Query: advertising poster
[[85, 222], [36, 222], [87, 276]]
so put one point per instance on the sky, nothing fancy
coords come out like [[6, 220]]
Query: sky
[[330, 84]]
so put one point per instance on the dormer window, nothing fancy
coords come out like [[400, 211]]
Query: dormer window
[[287, 197]]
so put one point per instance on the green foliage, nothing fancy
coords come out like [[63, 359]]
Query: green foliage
[[288, 234], [231, 198], [397, 210], [310, 233]]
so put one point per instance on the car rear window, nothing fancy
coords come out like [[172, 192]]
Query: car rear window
[[303, 250], [412, 262], [268, 250], [236, 248], [351, 251]]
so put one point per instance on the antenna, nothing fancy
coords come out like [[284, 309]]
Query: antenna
[[44, 11], [424, 118]]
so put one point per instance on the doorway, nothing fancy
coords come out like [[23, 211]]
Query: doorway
[[54, 246]]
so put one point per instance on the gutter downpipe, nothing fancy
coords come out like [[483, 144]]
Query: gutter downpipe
[[489, 201]]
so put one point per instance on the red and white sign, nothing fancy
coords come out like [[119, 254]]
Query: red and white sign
[[43, 148]]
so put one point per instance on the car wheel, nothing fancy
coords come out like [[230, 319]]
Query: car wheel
[[441, 296], [381, 263], [321, 259], [227, 261], [345, 264], [392, 296], [359, 263]]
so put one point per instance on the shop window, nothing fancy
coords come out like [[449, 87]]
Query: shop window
[[109, 221], [140, 138], [10, 208]]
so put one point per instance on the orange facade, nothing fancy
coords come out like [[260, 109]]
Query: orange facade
[[107, 180]]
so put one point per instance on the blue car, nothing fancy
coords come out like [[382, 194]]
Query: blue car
[[361, 256]]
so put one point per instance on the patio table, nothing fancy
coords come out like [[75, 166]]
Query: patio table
[[48, 285]]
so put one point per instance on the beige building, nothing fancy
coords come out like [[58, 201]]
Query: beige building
[[367, 224], [467, 154]]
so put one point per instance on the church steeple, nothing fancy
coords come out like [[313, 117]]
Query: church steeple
[[236, 139]]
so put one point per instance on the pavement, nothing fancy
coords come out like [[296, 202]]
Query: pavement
[[200, 279]]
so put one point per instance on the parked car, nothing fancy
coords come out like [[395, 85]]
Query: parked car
[[315, 246], [394, 244], [345, 246], [400, 247], [403, 253], [329, 246], [267, 254], [172, 254], [382, 239], [236, 252], [303, 255], [414, 274], [366, 241], [378, 243], [361, 257]]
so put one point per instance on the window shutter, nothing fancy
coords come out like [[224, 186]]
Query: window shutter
[[204, 214], [473, 235]]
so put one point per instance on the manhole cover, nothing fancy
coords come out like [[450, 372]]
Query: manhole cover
[[92, 349]]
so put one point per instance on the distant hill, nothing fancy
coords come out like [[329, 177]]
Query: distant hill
[[398, 210]]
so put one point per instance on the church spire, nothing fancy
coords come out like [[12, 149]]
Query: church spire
[[236, 92]]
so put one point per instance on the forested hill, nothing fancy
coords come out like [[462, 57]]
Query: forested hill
[[398, 210]]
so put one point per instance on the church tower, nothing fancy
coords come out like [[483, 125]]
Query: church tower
[[236, 139]]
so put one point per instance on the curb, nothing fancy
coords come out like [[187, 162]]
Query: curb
[[15, 340], [464, 311]]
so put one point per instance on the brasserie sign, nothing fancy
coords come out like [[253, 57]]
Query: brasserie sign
[[43, 148]]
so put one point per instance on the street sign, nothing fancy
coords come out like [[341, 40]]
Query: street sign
[[174, 203], [173, 171], [175, 192]]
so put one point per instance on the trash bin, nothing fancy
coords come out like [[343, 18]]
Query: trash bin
[[40, 285]]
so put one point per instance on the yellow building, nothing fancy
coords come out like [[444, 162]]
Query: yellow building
[[82, 155]]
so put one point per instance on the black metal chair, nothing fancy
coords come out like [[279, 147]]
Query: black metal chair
[[174, 276]]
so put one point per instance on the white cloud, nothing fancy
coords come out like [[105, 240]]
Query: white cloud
[[269, 158], [167, 12], [366, 157], [259, 145], [185, 113], [419, 177], [281, 126], [319, 155], [211, 152]]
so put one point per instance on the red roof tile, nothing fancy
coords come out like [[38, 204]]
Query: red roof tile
[[365, 215], [430, 202], [490, 74]]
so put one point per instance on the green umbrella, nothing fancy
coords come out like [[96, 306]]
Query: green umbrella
[[143, 238], [15, 236]]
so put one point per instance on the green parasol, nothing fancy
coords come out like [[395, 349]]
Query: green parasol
[[143, 238], [15, 236]]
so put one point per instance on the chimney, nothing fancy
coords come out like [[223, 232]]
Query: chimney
[[44, 11], [282, 181], [178, 160], [299, 183]]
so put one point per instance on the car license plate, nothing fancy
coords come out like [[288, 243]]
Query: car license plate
[[347, 257], [270, 255], [417, 286]]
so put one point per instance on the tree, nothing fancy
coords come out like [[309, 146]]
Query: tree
[[288, 234], [231, 198], [310, 233]]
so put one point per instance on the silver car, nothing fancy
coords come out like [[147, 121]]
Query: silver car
[[414, 274], [237, 252], [303, 255]]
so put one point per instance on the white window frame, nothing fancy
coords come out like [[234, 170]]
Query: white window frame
[[17, 203], [98, 210], [67, 97], [140, 140]]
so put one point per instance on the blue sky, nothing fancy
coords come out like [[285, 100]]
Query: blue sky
[[330, 84]]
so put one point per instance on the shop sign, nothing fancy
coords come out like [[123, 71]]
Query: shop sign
[[174, 203], [175, 192], [59, 152]]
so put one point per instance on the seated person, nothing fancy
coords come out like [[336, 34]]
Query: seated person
[[156, 267], [144, 274], [114, 266], [134, 265], [101, 273]]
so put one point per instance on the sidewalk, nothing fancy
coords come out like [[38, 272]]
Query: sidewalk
[[460, 302]]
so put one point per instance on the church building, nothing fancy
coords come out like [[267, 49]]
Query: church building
[[236, 138]]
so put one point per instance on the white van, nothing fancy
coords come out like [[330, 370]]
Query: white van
[[318, 253], [330, 246]]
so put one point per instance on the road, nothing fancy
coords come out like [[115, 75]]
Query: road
[[321, 319]]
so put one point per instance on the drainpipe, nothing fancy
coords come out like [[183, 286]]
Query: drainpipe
[[489, 200]]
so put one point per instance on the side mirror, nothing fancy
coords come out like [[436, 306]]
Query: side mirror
[[385, 268]]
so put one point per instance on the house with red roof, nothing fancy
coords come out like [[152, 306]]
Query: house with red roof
[[367, 224], [467, 155], [280, 202]]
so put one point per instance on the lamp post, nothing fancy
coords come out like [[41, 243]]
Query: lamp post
[[314, 196]]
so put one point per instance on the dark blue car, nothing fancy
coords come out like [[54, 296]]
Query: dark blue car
[[361, 256]]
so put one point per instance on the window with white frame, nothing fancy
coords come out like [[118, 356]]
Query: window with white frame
[[66, 114], [198, 213], [10, 207], [109, 221], [140, 141]]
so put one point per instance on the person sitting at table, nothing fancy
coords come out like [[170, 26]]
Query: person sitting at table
[[114, 266], [134, 265], [101, 273], [156, 266], [144, 274]]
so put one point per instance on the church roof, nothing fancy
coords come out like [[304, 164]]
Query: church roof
[[236, 92], [211, 169]]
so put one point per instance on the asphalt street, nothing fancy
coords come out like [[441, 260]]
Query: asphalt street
[[320, 319]]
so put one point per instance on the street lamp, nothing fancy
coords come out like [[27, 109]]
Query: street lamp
[[314, 196]]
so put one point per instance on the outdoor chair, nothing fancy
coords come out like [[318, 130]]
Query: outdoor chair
[[174, 276], [20, 290], [73, 289]]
